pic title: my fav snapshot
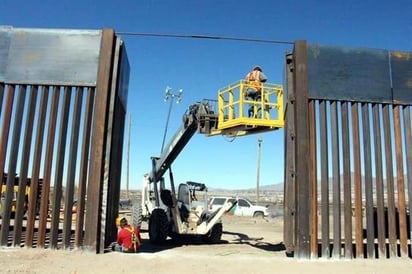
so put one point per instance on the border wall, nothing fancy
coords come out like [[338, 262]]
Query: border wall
[[348, 172], [63, 100]]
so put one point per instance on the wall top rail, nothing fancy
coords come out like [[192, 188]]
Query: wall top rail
[[49, 56], [359, 74]]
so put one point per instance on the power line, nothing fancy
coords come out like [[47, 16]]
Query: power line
[[210, 37]]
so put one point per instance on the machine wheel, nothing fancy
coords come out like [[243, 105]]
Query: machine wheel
[[258, 214], [158, 226], [214, 235], [166, 197], [137, 215]]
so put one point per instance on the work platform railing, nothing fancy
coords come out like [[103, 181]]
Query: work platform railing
[[239, 114]]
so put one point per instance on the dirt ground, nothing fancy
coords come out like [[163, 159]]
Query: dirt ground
[[248, 246]]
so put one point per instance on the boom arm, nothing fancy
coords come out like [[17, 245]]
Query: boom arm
[[199, 117]]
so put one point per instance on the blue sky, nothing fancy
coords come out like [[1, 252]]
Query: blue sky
[[202, 67]]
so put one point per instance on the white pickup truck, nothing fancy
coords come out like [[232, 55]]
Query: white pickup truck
[[243, 207]]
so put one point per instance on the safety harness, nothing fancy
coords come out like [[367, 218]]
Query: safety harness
[[135, 243]]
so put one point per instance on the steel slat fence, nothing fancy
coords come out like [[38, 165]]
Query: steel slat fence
[[48, 125], [359, 146]]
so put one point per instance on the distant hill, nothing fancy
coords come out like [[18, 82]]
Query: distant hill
[[270, 194], [272, 187]]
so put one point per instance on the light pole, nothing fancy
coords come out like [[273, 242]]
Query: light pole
[[258, 169], [172, 97]]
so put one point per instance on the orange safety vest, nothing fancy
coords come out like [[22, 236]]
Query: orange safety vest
[[135, 241], [254, 80]]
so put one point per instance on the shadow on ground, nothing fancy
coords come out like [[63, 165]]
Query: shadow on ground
[[241, 238], [255, 242]]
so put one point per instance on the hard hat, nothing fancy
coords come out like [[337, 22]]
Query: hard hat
[[118, 221], [259, 68], [121, 221]]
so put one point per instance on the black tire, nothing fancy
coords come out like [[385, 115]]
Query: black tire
[[137, 215], [166, 197], [158, 226], [258, 214], [177, 238], [214, 235]]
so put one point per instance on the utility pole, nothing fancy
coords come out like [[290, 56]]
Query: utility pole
[[172, 97], [128, 158], [258, 168]]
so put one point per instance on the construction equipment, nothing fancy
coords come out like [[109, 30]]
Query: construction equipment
[[27, 190], [174, 215]]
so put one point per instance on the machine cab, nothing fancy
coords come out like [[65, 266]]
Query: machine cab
[[192, 197]]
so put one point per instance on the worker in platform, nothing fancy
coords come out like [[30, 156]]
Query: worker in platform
[[254, 86], [255, 79], [128, 237]]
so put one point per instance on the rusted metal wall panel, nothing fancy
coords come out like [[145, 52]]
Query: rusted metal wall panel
[[21, 199], [389, 181], [347, 182], [6, 116], [289, 175], [324, 166], [36, 187], [47, 175], [122, 75], [365, 141], [408, 151], [4, 50], [367, 164], [336, 182], [400, 181], [43, 55], [401, 67], [313, 181], [302, 151], [379, 188], [83, 169], [42, 125], [98, 178], [71, 171], [12, 166], [107, 224], [59, 167], [114, 151], [350, 74], [357, 178], [359, 74]]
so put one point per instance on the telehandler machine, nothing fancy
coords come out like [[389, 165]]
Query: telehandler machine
[[181, 214]]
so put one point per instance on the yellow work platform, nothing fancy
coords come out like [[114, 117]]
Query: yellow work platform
[[240, 115]]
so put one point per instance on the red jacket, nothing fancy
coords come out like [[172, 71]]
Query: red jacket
[[124, 238]]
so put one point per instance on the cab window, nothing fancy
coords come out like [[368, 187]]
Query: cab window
[[243, 203], [219, 201]]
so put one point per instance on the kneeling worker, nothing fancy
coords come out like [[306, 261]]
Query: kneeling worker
[[128, 237]]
